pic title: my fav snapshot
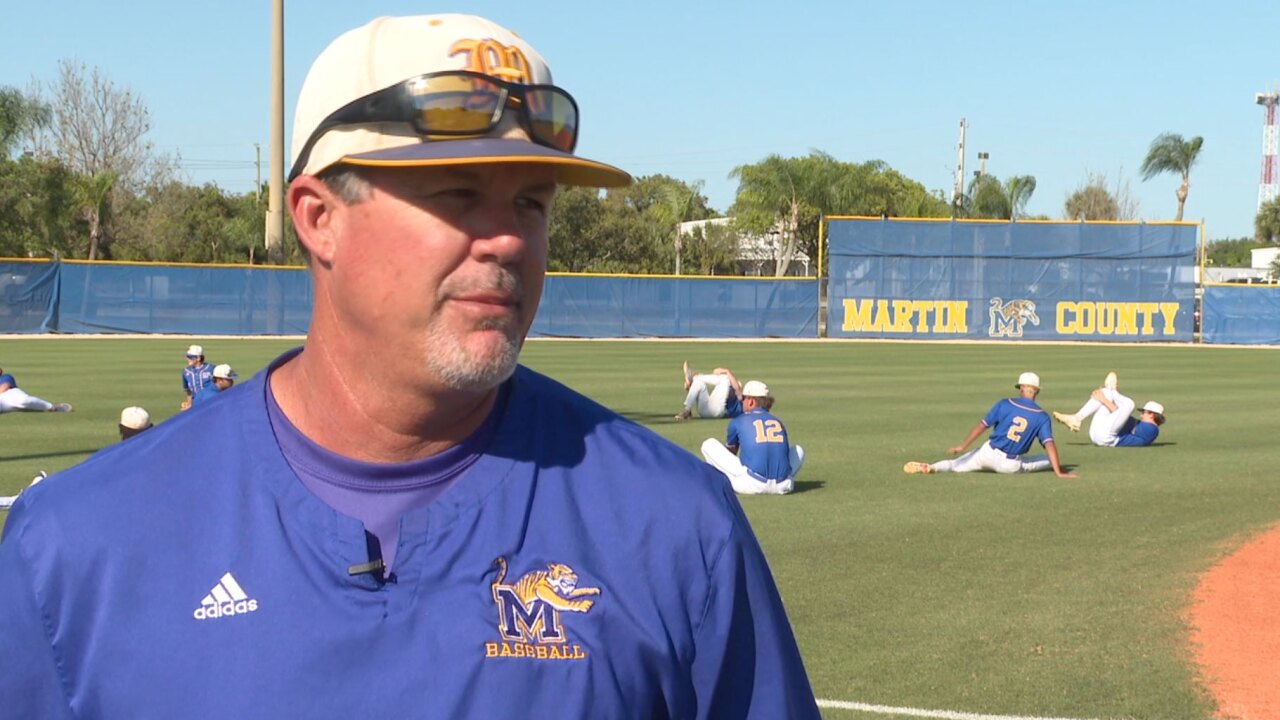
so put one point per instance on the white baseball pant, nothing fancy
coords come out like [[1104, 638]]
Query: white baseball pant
[[16, 400], [708, 394], [986, 457], [1104, 428], [743, 480]]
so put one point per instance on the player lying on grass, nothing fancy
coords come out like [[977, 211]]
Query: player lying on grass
[[716, 395], [1015, 424], [12, 399], [757, 457], [1113, 422]]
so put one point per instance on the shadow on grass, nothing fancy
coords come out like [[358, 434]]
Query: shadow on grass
[[807, 485], [41, 456], [655, 418]]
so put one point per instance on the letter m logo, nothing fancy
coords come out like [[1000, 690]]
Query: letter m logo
[[536, 622]]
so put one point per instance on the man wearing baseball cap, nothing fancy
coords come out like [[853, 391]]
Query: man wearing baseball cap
[[223, 379], [1015, 423], [196, 376], [1113, 423], [757, 455], [399, 516], [134, 420]]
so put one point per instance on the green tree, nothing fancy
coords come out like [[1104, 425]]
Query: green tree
[[19, 115], [1092, 201], [36, 208], [1231, 253], [1266, 225], [1019, 188], [1170, 153], [790, 196]]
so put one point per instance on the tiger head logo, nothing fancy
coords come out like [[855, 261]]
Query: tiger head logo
[[1009, 318]]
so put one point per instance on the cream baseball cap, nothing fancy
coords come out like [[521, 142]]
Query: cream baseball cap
[[390, 50], [1028, 378], [224, 372], [135, 418], [1154, 407], [755, 388]]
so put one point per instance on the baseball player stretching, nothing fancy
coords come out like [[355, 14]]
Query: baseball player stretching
[[714, 396], [1016, 422], [757, 457], [13, 399], [1113, 424]]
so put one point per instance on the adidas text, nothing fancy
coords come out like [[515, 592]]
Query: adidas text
[[227, 609]]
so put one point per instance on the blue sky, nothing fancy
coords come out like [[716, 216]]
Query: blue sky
[[693, 89]]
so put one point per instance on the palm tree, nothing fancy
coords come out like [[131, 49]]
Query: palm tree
[[1266, 225], [1019, 189], [1170, 153]]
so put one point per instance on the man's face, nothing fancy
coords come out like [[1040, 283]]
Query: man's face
[[223, 383], [439, 272], [193, 360]]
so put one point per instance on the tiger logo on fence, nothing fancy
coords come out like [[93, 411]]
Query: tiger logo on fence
[[1009, 318]]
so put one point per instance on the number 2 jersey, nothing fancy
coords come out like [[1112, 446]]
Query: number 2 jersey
[[583, 567], [1016, 424], [763, 445]]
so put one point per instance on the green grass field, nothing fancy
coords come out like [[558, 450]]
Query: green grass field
[[970, 594]]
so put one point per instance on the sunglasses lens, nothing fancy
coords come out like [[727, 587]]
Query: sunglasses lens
[[553, 118], [455, 104]]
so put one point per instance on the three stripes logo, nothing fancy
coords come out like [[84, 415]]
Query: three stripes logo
[[226, 598]]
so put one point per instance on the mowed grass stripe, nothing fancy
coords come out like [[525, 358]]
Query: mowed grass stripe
[[998, 595]]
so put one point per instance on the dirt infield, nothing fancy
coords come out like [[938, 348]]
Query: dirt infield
[[1236, 630]]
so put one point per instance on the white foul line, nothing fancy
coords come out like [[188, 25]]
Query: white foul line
[[917, 712]]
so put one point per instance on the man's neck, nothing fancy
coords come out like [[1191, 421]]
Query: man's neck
[[366, 417]]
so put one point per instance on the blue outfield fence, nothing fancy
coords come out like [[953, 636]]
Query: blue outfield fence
[[77, 297], [889, 279], [607, 306], [1241, 315], [1000, 280]]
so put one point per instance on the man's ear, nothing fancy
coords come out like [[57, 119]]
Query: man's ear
[[314, 209]]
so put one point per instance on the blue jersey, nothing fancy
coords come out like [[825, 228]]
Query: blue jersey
[[534, 587], [205, 394], [1136, 433], [195, 377], [762, 442], [733, 406], [1016, 423]]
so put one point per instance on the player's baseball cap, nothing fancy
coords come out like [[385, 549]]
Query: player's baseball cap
[[755, 388], [195, 351], [342, 117], [225, 372], [135, 418], [1154, 407], [1028, 378]]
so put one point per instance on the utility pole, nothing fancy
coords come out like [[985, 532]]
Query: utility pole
[[275, 194], [1268, 187], [957, 195], [982, 163], [257, 186]]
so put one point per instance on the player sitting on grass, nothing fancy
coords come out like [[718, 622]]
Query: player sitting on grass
[[714, 396], [1016, 423], [13, 399], [758, 457], [1113, 424]]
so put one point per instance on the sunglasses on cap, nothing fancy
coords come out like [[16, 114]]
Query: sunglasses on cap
[[459, 103]]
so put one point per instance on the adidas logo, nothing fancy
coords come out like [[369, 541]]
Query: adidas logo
[[226, 598]]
